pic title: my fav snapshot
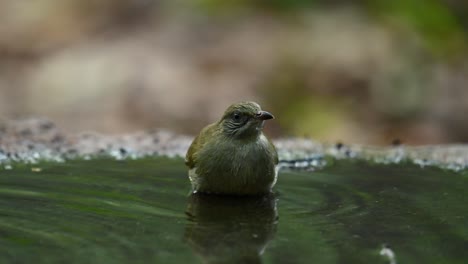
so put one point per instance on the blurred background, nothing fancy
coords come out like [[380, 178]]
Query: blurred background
[[359, 71]]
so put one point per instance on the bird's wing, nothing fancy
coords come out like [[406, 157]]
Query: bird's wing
[[197, 144]]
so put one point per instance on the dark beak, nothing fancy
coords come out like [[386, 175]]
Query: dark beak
[[264, 115]]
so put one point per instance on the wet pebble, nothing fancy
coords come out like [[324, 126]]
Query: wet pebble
[[339, 145], [21, 142], [46, 125], [123, 151], [25, 132]]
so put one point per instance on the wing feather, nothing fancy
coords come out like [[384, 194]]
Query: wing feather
[[197, 144]]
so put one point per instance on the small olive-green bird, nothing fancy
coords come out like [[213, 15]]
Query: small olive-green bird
[[233, 156]]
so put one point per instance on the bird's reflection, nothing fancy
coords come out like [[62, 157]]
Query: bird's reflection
[[229, 229]]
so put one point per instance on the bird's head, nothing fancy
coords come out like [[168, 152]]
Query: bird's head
[[244, 119]]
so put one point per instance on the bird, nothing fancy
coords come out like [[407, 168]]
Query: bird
[[233, 156]]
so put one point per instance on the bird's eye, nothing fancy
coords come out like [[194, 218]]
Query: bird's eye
[[237, 117]]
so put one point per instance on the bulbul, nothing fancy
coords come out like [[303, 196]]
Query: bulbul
[[233, 156]]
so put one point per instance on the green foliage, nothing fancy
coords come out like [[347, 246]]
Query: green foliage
[[435, 20], [437, 23]]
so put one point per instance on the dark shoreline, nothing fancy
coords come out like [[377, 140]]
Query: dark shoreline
[[34, 139]]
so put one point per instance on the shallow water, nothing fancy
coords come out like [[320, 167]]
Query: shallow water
[[107, 211]]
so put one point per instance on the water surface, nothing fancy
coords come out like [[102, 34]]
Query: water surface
[[140, 211]]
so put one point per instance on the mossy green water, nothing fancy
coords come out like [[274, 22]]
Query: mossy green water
[[140, 211]]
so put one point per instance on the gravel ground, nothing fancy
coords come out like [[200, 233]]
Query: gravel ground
[[35, 139]]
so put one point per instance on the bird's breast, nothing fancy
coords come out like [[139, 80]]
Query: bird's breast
[[234, 166]]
